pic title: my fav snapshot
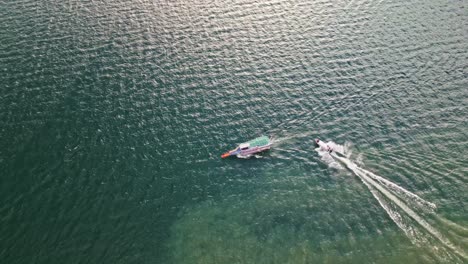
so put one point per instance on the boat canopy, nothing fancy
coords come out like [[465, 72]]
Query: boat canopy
[[253, 146], [244, 146]]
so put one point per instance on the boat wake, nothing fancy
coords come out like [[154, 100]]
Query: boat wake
[[328, 158], [249, 156], [400, 204], [281, 140]]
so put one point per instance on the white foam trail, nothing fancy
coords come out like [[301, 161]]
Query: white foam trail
[[343, 150], [423, 203], [257, 156], [327, 158], [336, 147], [394, 215], [362, 175]]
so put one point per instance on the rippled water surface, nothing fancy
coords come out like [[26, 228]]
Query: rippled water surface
[[113, 116]]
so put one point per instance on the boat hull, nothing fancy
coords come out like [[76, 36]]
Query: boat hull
[[257, 145], [254, 150]]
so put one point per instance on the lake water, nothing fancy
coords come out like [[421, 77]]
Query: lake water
[[114, 114]]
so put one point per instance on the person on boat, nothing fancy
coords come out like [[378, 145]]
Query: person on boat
[[323, 146]]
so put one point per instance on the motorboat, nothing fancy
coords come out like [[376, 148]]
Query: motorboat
[[323, 146]]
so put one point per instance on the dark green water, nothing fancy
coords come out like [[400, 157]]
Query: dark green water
[[113, 115]]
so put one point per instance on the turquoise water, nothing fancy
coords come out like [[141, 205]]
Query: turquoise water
[[113, 116]]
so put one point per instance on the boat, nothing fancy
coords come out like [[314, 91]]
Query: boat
[[323, 146], [249, 148]]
